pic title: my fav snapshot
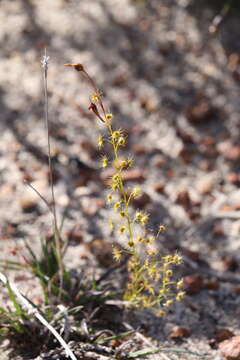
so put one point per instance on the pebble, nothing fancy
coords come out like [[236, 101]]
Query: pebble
[[205, 184], [230, 348], [193, 284], [179, 332]]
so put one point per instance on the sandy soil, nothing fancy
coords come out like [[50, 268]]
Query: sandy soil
[[174, 86]]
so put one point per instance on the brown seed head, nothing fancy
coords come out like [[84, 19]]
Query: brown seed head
[[78, 67]]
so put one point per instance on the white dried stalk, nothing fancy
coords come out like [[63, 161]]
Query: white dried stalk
[[34, 311]]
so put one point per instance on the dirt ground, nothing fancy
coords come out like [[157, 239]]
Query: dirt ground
[[173, 83]]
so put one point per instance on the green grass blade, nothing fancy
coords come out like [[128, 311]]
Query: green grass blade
[[115, 337], [13, 298]]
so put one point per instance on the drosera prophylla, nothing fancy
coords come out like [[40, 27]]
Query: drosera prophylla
[[151, 281]]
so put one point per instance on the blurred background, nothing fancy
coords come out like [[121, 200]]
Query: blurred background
[[170, 73]]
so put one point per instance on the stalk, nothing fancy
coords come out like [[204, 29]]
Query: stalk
[[57, 238]]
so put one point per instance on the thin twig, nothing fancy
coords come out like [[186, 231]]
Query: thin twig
[[34, 311]]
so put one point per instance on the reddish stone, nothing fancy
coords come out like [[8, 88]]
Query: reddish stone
[[233, 178], [211, 285], [179, 332], [141, 201], [223, 334], [230, 348], [159, 187], [133, 175], [193, 284], [183, 199]]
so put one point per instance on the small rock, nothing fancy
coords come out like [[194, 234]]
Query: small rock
[[233, 178], [223, 334], [179, 332], [229, 263], [133, 175], [139, 149], [193, 284], [141, 201], [229, 150], [170, 173], [186, 155], [208, 140], [159, 187], [159, 161], [194, 214], [63, 200], [237, 289], [89, 148], [219, 336], [183, 198], [90, 206], [21, 277], [200, 112], [192, 255], [218, 230], [136, 175], [205, 184], [75, 236], [26, 177], [28, 204], [103, 252], [204, 165], [148, 105], [230, 348], [211, 285], [120, 79]]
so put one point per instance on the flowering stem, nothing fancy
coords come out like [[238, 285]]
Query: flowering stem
[[45, 61], [150, 275]]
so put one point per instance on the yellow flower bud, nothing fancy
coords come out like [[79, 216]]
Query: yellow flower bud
[[100, 141], [121, 141], [109, 116], [117, 254]]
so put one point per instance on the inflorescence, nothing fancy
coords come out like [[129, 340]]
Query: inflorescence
[[151, 278]]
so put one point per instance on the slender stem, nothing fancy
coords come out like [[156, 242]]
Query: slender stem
[[50, 166]]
